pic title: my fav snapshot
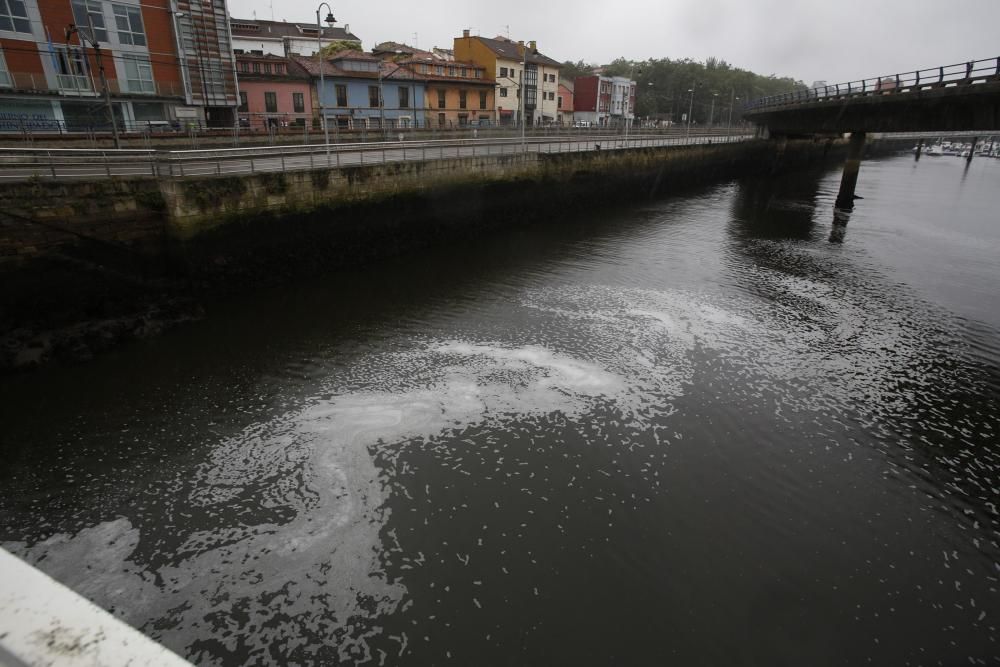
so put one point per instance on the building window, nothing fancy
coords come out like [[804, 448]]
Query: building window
[[442, 119], [465, 72], [479, 73], [267, 68], [559, 102], [271, 102], [279, 69], [482, 99], [439, 70], [298, 102], [341, 94], [451, 71], [138, 74], [244, 107], [463, 120], [72, 72], [14, 16], [441, 101], [503, 71], [503, 92], [245, 67], [256, 68], [404, 97], [128, 19], [82, 9], [5, 79], [461, 99], [373, 96]]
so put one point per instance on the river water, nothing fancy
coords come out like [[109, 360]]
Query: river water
[[690, 431]]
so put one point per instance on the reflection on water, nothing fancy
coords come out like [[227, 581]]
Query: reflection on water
[[693, 429]]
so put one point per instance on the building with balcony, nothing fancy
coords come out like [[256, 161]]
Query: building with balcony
[[604, 100], [459, 94], [162, 63], [515, 67], [622, 101], [360, 91], [280, 38], [274, 92]]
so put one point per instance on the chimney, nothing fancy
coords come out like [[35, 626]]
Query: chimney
[[347, 29], [521, 43], [465, 33], [532, 46]]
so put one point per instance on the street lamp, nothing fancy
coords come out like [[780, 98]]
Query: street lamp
[[319, 56], [690, 109], [732, 102], [711, 113], [92, 38]]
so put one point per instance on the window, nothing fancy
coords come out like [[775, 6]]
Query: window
[[267, 68], [72, 70], [451, 71], [482, 99], [82, 9], [138, 74], [243, 102], [559, 102], [503, 71], [503, 92], [244, 67], [128, 20], [463, 119], [5, 79], [465, 72], [271, 102], [461, 99], [279, 69], [439, 70], [441, 103], [373, 96], [256, 68], [404, 97], [298, 102], [479, 74], [14, 16], [341, 94]]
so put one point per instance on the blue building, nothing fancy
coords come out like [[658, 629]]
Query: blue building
[[354, 84]]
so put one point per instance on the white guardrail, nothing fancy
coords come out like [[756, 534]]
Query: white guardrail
[[27, 163]]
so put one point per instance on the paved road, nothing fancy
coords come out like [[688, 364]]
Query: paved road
[[25, 164]]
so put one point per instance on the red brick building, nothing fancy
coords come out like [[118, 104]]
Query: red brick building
[[162, 65]]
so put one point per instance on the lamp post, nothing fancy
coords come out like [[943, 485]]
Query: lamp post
[[690, 109], [711, 113], [100, 68], [322, 82], [732, 102]]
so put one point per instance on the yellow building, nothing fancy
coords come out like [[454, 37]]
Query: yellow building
[[458, 94], [515, 66]]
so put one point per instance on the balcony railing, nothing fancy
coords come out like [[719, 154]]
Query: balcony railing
[[78, 84]]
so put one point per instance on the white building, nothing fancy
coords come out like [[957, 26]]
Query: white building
[[279, 38]]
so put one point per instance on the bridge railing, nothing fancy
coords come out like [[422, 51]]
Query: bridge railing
[[959, 74]]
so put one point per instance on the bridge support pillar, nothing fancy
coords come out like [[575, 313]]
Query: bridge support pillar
[[848, 182]]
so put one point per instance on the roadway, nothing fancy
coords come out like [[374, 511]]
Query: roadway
[[22, 164]]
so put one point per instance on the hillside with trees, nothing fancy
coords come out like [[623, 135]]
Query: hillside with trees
[[663, 85]]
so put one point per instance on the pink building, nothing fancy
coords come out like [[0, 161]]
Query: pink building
[[274, 91]]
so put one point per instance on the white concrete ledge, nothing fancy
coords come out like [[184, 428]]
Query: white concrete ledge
[[44, 623]]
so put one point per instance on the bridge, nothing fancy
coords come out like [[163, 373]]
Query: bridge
[[949, 98]]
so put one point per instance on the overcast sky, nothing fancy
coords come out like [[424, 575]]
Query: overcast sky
[[833, 40]]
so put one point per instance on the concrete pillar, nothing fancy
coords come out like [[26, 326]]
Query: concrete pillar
[[972, 150], [845, 198]]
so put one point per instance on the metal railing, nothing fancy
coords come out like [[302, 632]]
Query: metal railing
[[29, 163], [961, 74]]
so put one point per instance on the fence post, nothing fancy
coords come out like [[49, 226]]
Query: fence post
[[107, 167]]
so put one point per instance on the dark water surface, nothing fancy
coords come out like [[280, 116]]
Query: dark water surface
[[690, 432]]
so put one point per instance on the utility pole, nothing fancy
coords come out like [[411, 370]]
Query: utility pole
[[100, 68]]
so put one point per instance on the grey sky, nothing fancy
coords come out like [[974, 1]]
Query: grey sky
[[835, 40]]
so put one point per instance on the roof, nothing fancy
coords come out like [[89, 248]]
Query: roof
[[281, 29], [431, 75], [511, 50], [330, 67]]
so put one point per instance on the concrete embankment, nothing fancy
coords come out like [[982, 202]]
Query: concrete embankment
[[84, 265]]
